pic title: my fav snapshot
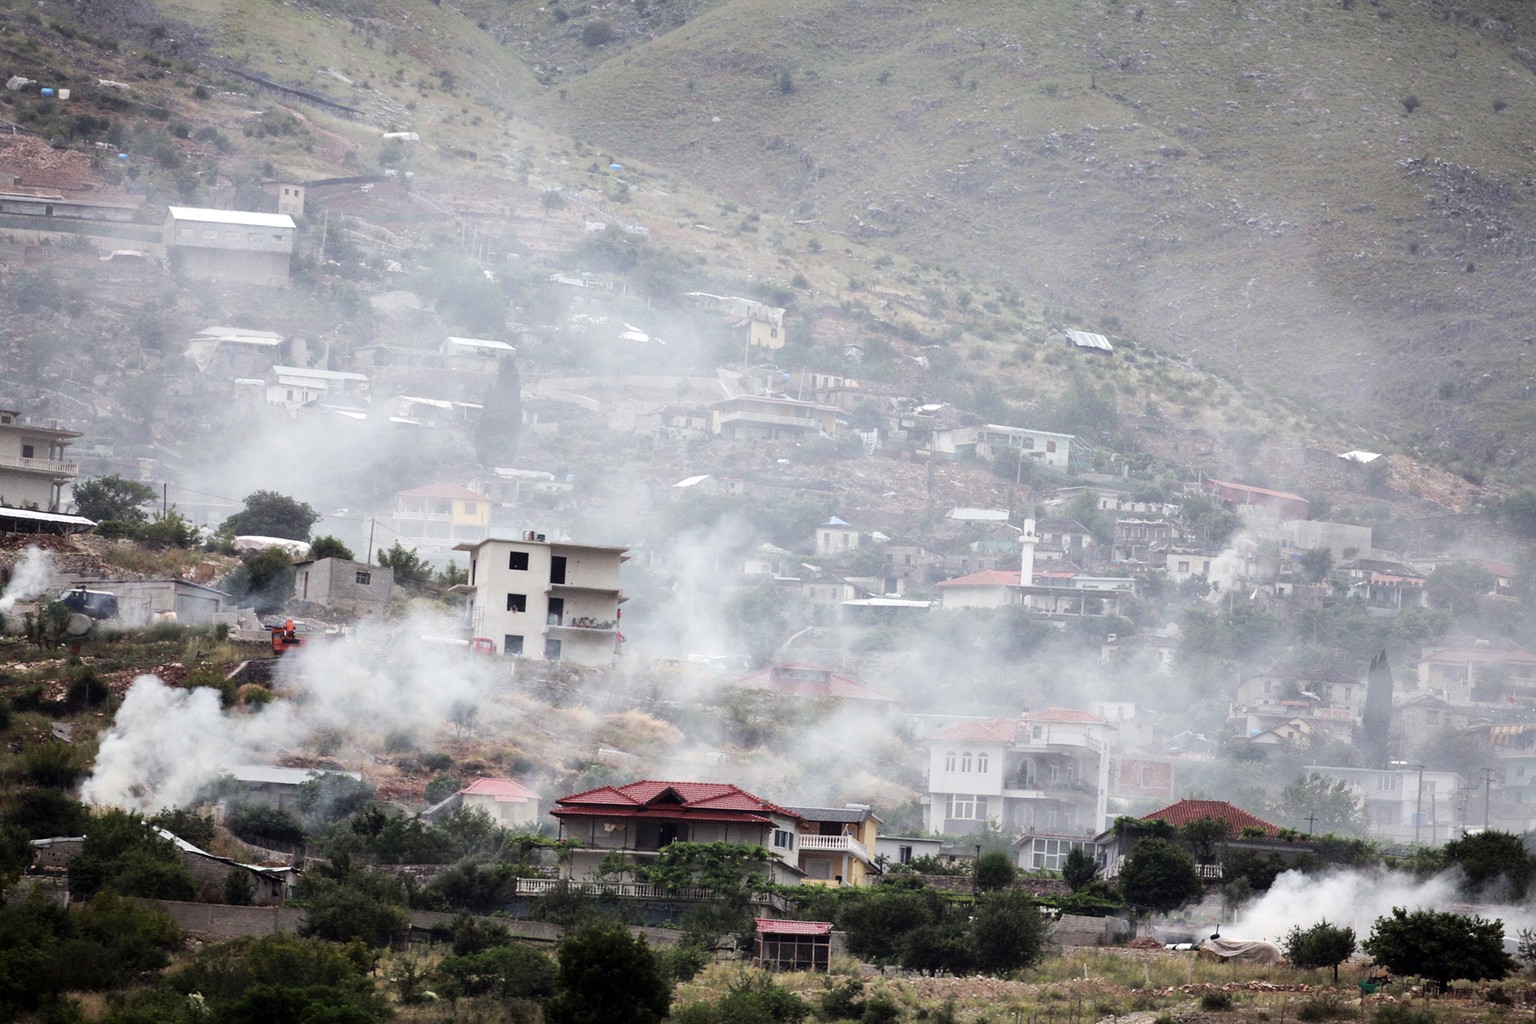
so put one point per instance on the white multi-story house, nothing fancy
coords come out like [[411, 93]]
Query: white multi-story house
[[546, 600], [1043, 773], [1405, 802], [33, 470]]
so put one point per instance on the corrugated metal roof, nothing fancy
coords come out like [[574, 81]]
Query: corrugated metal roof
[[241, 218], [1087, 339]]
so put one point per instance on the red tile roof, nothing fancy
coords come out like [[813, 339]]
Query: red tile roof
[[995, 730], [774, 926], [443, 491], [1187, 812], [504, 790], [985, 578], [704, 801], [1064, 715]]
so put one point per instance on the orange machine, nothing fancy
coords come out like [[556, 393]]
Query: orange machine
[[286, 637]]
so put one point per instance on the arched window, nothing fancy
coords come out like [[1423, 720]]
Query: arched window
[[981, 762], [965, 762], [949, 761]]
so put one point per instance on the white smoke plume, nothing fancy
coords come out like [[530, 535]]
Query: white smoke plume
[[167, 743], [1355, 899], [28, 580]]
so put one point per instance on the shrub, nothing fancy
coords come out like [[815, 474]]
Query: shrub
[[1410, 103], [1402, 1013], [1216, 1000], [596, 33]]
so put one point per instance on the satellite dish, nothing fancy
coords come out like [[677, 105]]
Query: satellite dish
[[79, 625]]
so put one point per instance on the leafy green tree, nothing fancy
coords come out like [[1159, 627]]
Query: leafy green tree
[[363, 904], [1204, 836], [329, 547], [1008, 933], [263, 824], [113, 499], [509, 971], [1322, 945], [1459, 587], [122, 851], [239, 888], [277, 979], [264, 580], [47, 813], [1439, 945], [168, 529], [409, 567], [1316, 564], [1158, 876], [1331, 806], [994, 870], [1078, 869], [1493, 864], [270, 514], [470, 832], [590, 962], [878, 922]]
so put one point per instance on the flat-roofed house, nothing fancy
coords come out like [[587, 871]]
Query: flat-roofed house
[[33, 470], [239, 246]]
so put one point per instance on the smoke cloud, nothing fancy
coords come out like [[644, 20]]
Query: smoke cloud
[[380, 684], [29, 579], [1355, 899]]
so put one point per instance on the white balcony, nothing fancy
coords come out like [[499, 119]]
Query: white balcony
[[52, 467], [835, 844]]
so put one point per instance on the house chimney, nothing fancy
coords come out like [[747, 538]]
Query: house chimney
[[1027, 541]]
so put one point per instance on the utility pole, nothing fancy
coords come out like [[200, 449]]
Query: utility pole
[[1487, 786], [1311, 822], [1418, 813], [371, 522]]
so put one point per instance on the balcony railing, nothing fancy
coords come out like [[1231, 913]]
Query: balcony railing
[[53, 467], [835, 844], [635, 891]]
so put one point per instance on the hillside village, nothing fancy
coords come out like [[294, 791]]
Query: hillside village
[[610, 541]]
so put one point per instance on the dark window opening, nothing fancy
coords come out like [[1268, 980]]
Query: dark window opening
[[517, 602], [551, 650], [512, 644], [518, 561], [557, 569]]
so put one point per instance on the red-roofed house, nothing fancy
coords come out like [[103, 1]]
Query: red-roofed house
[[990, 588], [1045, 773], [509, 804], [1247, 833], [794, 680], [1187, 812], [442, 513], [640, 818]]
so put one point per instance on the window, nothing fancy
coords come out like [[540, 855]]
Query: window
[[517, 602], [512, 644], [965, 762], [27, 451], [1050, 446], [518, 561], [557, 569], [981, 762], [904, 855], [783, 840], [364, 579], [1050, 854], [551, 650], [1183, 567], [949, 761], [964, 807]]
